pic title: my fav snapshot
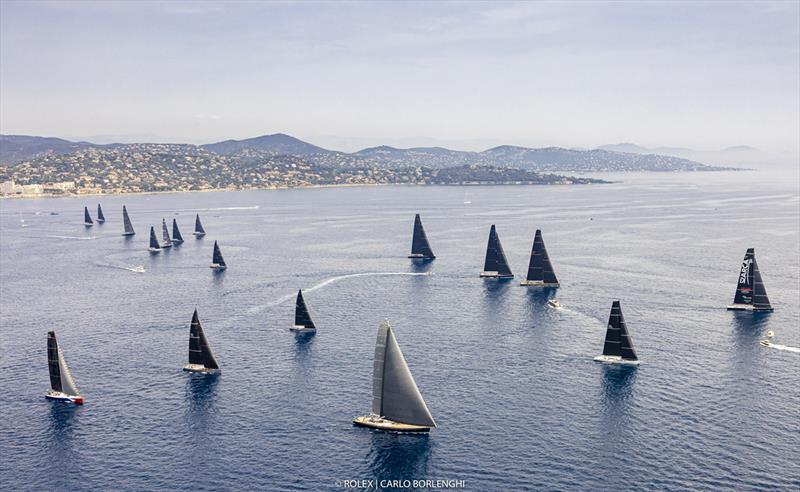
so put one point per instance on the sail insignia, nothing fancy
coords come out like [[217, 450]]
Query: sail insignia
[[100, 217], [87, 219], [302, 318], [495, 265], [127, 223], [540, 270], [198, 227], [750, 295], [420, 247], [176, 233]]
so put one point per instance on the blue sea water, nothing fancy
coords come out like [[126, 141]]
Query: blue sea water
[[511, 382]]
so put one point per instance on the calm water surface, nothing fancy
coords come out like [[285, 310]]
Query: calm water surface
[[511, 382]]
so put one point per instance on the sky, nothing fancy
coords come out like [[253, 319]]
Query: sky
[[345, 74]]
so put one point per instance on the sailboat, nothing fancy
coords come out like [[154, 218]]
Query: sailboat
[[217, 261], [154, 246], [62, 386], [420, 247], [100, 217], [397, 404], [540, 271], [127, 221], [201, 359], [198, 227], [750, 292], [87, 219], [302, 318], [495, 265], [176, 234], [618, 348], [166, 241]]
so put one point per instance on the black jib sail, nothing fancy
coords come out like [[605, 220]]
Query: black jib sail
[[420, 247], [198, 227], [618, 341], [217, 259], [750, 290], [100, 216], [87, 219], [153, 239], [301, 314], [176, 233], [127, 221], [52, 361], [495, 257], [199, 350], [540, 270]]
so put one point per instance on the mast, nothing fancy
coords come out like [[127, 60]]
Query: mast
[[217, 259], [176, 234], [198, 227], [127, 221], [153, 240], [420, 247], [301, 315], [199, 350], [87, 219], [540, 270], [100, 216], [618, 341], [165, 234], [395, 395]]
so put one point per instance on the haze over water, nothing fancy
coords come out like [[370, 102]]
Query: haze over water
[[511, 382]]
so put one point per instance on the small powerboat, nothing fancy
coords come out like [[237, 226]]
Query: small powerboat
[[553, 303]]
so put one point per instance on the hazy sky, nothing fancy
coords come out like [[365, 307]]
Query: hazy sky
[[703, 75]]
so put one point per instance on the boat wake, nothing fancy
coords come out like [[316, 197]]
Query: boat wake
[[135, 269], [331, 280], [253, 207], [786, 348], [85, 238]]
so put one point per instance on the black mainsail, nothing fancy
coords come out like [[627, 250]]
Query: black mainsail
[[176, 234], [420, 247], [127, 221], [395, 395], [199, 351], [198, 227], [154, 246], [166, 240], [216, 260], [540, 270], [618, 341], [750, 291], [302, 318], [100, 216], [87, 219], [60, 377], [495, 264]]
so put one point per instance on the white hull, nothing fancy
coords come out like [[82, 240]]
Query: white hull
[[554, 304], [86, 224], [154, 250], [745, 307], [301, 328], [420, 257], [217, 268], [615, 359], [199, 368], [494, 275], [59, 396], [199, 234], [387, 425], [537, 283], [166, 245]]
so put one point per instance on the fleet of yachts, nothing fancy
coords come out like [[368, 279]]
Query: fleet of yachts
[[397, 404]]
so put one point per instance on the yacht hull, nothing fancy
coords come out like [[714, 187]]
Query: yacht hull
[[217, 268], [747, 307], [615, 359], [388, 425], [302, 329], [59, 396], [128, 233], [198, 234], [494, 275], [199, 368], [537, 283], [419, 256]]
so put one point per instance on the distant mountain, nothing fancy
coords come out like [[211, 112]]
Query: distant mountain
[[278, 143], [15, 148], [735, 155]]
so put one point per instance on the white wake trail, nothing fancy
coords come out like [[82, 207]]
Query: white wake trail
[[84, 238], [787, 348]]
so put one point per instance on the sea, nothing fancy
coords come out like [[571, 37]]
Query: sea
[[519, 402]]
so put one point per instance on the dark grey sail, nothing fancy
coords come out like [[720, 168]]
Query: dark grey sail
[[199, 350], [100, 216], [750, 290], [301, 314], [166, 240], [495, 256], [395, 395], [176, 233], [540, 270], [127, 221], [217, 259], [198, 227], [154, 240], [618, 341], [87, 219], [60, 376], [420, 247]]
